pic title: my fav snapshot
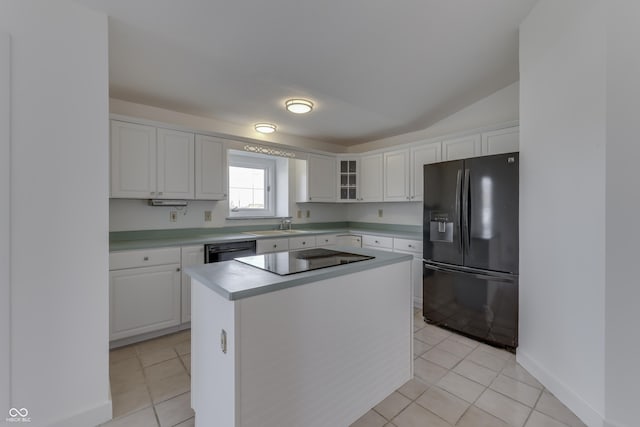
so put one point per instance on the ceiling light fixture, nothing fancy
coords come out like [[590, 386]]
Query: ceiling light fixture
[[265, 127], [299, 106]]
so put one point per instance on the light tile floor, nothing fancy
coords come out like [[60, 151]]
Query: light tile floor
[[150, 383], [457, 382]]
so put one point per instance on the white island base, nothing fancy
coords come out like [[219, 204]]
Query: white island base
[[319, 354]]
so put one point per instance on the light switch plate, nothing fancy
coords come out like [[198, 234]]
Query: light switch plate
[[173, 216], [379, 213], [207, 216], [308, 213]]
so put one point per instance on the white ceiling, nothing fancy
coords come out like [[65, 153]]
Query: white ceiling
[[374, 68]]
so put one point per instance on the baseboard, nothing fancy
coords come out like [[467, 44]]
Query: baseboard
[[149, 335], [568, 397], [417, 302], [91, 417]]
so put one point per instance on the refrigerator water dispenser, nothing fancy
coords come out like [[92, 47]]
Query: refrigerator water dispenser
[[441, 229]]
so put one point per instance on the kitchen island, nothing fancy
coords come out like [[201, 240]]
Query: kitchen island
[[318, 348]]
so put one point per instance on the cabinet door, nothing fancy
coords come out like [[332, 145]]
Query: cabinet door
[[191, 255], [461, 148], [396, 176], [175, 165], [302, 242], [325, 240], [420, 156], [143, 300], [133, 160], [348, 180], [501, 141], [371, 178], [321, 178], [210, 168], [271, 245]]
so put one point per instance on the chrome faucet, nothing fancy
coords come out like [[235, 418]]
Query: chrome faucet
[[285, 223]]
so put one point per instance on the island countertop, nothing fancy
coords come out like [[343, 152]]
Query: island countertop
[[234, 280]]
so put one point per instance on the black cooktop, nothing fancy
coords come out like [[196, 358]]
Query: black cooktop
[[284, 263]]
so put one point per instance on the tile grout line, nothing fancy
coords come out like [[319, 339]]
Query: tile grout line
[[146, 383]]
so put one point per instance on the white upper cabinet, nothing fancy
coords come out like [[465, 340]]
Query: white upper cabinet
[[133, 160], [321, 178], [396, 176], [210, 168], [420, 156], [501, 141], [371, 178], [150, 163], [175, 153], [461, 148]]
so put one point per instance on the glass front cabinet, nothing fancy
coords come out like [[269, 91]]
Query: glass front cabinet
[[348, 177]]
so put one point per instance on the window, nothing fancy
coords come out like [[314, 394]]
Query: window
[[251, 186]]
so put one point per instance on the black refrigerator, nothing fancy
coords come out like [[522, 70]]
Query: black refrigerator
[[470, 226]]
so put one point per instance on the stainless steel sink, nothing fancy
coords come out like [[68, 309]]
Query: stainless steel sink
[[274, 232]]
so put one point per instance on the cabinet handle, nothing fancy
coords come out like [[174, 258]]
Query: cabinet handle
[[178, 269], [304, 243], [159, 193], [377, 241], [153, 192], [146, 258], [309, 198], [275, 246], [410, 246]]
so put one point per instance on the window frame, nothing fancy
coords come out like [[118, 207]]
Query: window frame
[[254, 162]]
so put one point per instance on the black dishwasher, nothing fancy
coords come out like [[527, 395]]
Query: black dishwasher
[[216, 252]]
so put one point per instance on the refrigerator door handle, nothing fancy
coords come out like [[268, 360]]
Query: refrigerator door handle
[[458, 196], [483, 276], [465, 210]]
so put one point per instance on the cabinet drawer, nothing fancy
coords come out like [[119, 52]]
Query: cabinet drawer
[[143, 258], [378, 242], [302, 242], [272, 245], [407, 245], [326, 240]]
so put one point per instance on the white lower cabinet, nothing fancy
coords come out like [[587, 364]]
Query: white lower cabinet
[[143, 300], [302, 242], [271, 245], [144, 291], [378, 242], [351, 240], [191, 255], [325, 240]]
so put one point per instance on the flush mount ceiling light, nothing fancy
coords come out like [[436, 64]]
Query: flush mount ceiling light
[[265, 127], [299, 106]]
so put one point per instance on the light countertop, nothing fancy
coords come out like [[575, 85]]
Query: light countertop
[[149, 240], [234, 280]]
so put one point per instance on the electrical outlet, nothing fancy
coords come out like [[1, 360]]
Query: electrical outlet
[[308, 213], [299, 213], [207, 216], [173, 216], [379, 213]]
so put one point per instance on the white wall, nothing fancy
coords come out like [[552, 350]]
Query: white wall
[[59, 191], [499, 107], [623, 204], [5, 224], [392, 213], [118, 106], [562, 201], [126, 215]]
